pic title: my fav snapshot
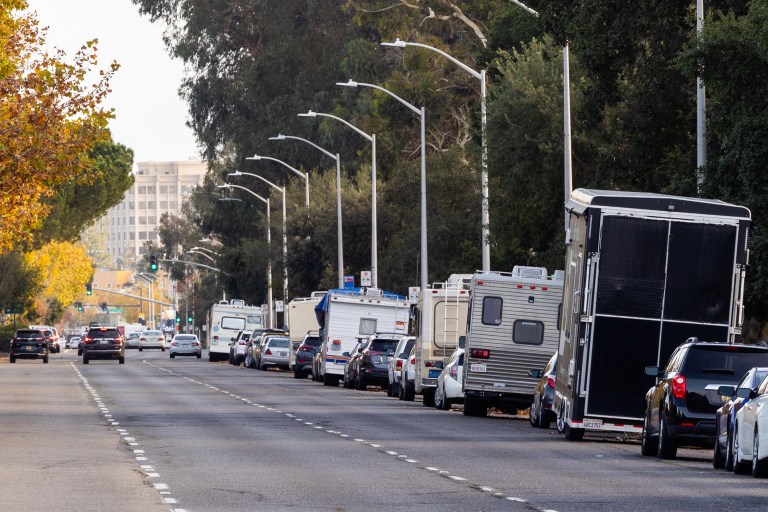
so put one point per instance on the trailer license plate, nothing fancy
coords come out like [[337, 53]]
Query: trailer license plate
[[478, 367], [595, 424]]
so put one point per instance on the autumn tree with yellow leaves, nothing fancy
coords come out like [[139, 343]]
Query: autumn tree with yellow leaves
[[51, 115]]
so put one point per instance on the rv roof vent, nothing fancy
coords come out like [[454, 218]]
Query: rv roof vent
[[223, 302], [237, 302], [319, 294], [373, 292], [559, 275], [521, 271]]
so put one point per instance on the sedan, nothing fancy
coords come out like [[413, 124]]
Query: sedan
[[448, 390], [74, 341], [132, 340], [152, 339], [185, 345], [396, 362], [274, 352], [750, 436]]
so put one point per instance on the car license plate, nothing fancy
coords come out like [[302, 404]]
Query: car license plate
[[283, 354], [595, 424], [103, 342], [29, 347], [478, 367]]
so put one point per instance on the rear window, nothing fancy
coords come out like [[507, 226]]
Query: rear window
[[491, 314], [728, 360], [383, 345], [106, 333], [29, 335], [233, 322], [278, 342], [152, 333], [313, 341], [182, 337], [528, 332]]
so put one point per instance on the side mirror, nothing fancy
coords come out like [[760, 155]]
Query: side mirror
[[652, 371], [728, 391], [742, 392], [462, 341], [536, 374], [345, 354]]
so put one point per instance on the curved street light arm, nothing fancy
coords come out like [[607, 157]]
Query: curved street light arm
[[229, 185], [201, 254], [283, 137], [367, 137], [258, 157], [401, 44], [352, 83]]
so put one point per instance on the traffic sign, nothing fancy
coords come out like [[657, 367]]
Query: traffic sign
[[365, 278], [349, 281]]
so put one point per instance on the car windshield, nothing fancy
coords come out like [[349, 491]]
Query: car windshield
[[728, 360], [278, 342]]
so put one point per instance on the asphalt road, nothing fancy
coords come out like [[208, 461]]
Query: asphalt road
[[187, 434]]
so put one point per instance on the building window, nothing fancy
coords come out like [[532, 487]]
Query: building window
[[142, 189], [172, 189], [142, 205], [163, 205], [152, 220], [142, 220], [163, 189], [173, 205], [150, 205], [151, 190], [142, 235]]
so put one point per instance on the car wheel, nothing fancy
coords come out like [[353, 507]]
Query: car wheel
[[360, 384], [542, 419], [85, 359], [718, 458], [329, 380], [141, 349], [532, 414], [121, 360], [45, 360], [428, 397], [12, 359], [441, 402], [297, 374], [649, 445], [739, 466], [162, 349], [199, 355], [667, 445], [409, 394], [759, 466], [729, 451], [172, 355]]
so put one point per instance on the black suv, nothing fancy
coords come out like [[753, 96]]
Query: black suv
[[305, 354], [371, 366], [29, 344], [681, 407], [103, 343]]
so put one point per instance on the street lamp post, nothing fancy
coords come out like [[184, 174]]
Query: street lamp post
[[484, 215], [269, 243], [304, 175], [422, 115], [339, 237], [149, 279], [285, 237], [374, 241]]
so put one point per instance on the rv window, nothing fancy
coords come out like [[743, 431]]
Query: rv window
[[528, 332], [367, 326], [233, 322], [492, 310]]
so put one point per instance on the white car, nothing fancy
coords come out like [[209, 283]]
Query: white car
[[185, 345], [74, 341], [750, 439], [407, 377], [152, 339], [396, 362], [448, 389]]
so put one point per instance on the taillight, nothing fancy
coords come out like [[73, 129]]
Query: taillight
[[195, 343], [429, 364], [412, 360], [87, 340], [480, 353], [268, 352], [399, 364], [241, 342], [551, 382], [174, 343], [119, 340], [678, 386]]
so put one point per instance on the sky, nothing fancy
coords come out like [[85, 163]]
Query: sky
[[149, 115]]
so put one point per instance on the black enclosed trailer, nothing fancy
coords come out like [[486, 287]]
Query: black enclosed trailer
[[644, 272]]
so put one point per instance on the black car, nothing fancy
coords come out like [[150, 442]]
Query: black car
[[103, 343], [680, 408], [541, 414], [305, 354], [29, 344], [726, 415], [372, 365]]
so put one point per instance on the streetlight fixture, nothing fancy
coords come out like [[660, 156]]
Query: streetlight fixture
[[374, 235], [192, 251], [422, 115], [150, 280], [269, 243], [212, 253], [285, 237], [484, 215], [304, 175], [339, 237]]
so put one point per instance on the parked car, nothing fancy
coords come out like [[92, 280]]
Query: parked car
[[274, 352], [448, 390], [348, 378], [74, 341], [750, 434], [370, 368], [254, 340], [725, 418], [317, 359], [395, 364], [29, 344], [152, 339], [103, 343], [185, 345], [132, 340], [407, 376], [238, 348], [305, 354], [541, 414], [680, 409]]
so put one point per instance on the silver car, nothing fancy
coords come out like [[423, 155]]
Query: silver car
[[185, 345], [274, 352], [132, 339], [152, 339]]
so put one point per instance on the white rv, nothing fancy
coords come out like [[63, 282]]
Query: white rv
[[301, 320], [513, 328], [345, 315], [440, 320], [225, 320]]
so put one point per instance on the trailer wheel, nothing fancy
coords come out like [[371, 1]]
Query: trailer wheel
[[474, 407], [574, 434], [330, 380]]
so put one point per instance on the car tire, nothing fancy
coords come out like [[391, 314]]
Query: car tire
[[649, 445], [543, 419], [121, 360], [409, 394], [729, 451], [739, 466], [12, 359], [141, 349], [401, 392], [532, 415], [718, 458], [428, 397], [360, 384], [45, 360], [759, 466], [441, 402], [297, 374], [667, 445], [329, 380], [172, 355], [162, 349], [85, 359], [199, 355]]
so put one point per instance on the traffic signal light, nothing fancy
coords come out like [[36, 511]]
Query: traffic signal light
[[153, 262], [178, 318], [79, 306], [89, 289], [189, 319], [104, 306]]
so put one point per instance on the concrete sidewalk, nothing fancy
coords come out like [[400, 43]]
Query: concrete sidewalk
[[57, 452]]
